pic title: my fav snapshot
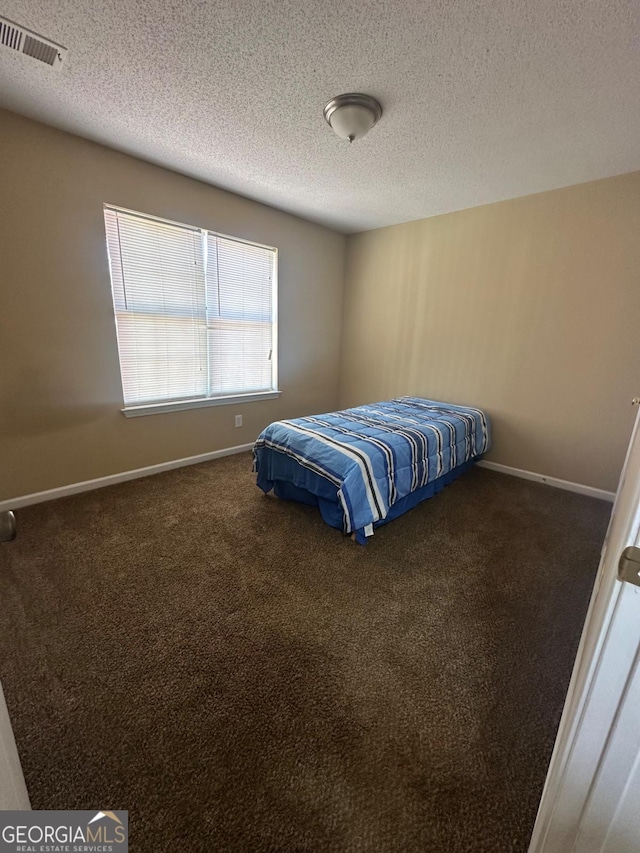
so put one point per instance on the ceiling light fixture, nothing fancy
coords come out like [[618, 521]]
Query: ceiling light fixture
[[352, 116]]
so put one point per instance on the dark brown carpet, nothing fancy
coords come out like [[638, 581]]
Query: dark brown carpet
[[241, 678]]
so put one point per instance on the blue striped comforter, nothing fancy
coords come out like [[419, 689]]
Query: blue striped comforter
[[376, 454]]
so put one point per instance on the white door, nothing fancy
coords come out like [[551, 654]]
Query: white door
[[591, 799]]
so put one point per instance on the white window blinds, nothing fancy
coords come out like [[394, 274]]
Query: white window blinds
[[195, 311]]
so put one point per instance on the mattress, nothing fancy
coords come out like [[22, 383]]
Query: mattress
[[364, 466]]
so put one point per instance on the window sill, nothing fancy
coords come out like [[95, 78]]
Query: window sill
[[199, 403]]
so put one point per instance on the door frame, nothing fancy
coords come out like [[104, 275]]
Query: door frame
[[13, 791], [602, 607]]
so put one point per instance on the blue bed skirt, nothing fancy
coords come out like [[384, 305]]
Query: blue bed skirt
[[325, 498]]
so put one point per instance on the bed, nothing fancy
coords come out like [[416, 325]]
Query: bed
[[365, 466]]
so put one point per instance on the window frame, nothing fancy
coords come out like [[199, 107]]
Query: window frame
[[177, 405]]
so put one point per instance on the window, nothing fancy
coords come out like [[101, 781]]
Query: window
[[195, 314]]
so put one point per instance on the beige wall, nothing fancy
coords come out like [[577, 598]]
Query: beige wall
[[60, 392], [528, 308]]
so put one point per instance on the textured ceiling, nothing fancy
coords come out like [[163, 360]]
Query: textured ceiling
[[482, 100]]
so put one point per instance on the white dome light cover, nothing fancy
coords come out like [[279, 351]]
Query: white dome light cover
[[352, 116]]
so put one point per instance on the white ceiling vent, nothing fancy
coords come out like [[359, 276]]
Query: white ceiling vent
[[18, 38]]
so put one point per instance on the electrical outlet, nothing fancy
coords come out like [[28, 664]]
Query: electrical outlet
[[238, 420]]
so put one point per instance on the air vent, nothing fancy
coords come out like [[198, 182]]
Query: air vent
[[22, 40]]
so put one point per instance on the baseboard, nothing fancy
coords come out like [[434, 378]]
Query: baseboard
[[112, 479], [591, 491]]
